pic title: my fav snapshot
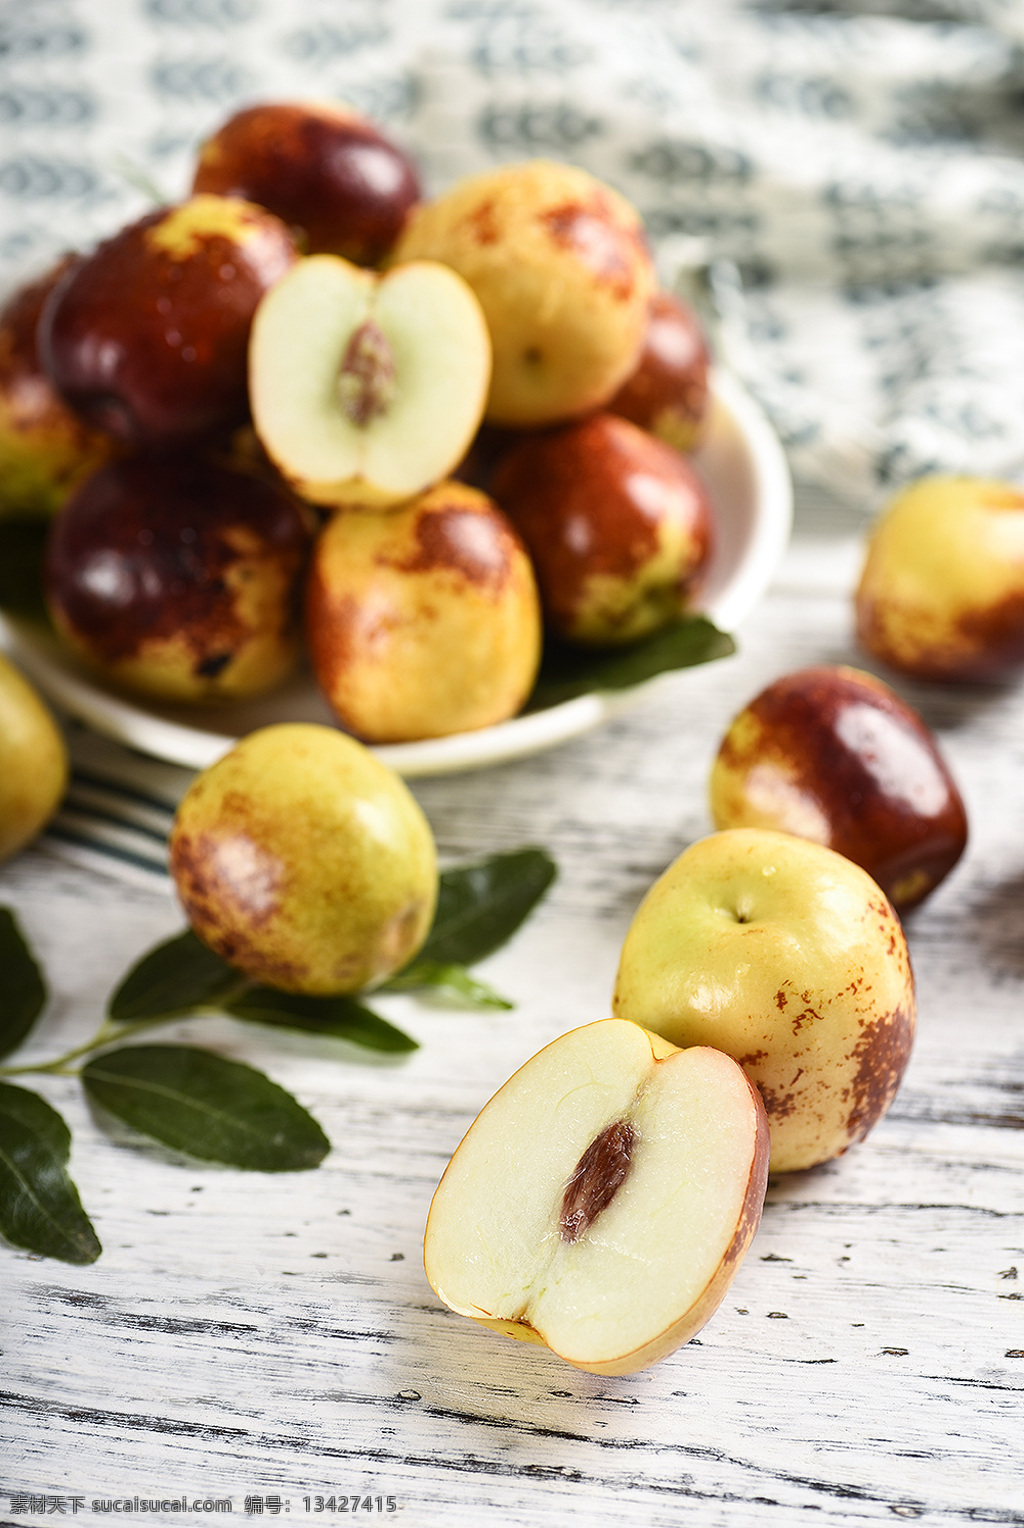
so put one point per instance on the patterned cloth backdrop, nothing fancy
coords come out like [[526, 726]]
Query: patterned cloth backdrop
[[846, 180]]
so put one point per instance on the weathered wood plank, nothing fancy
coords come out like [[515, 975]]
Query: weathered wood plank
[[250, 1334]]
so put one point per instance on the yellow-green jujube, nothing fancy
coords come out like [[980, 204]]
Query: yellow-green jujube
[[424, 621], [560, 265], [33, 762], [941, 594], [305, 861], [789, 958]]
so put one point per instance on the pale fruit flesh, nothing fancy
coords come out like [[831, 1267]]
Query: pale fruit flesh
[[424, 621], [603, 1200], [789, 958], [941, 593], [304, 861], [419, 330], [561, 267], [33, 762]]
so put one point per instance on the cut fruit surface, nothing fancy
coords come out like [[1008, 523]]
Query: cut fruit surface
[[367, 389], [603, 1200]]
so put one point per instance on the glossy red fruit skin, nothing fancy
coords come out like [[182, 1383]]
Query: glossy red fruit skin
[[668, 393], [143, 553], [855, 757], [33, 416], [589, 500], [150, 346], [20, 370], [326, 171]]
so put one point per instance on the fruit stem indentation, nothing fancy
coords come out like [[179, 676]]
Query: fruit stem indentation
[[597, 1178]]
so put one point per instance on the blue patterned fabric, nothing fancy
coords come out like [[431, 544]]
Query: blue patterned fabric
[[849, 176]]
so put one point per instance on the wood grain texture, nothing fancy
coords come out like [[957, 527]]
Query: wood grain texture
[[245, 1334]]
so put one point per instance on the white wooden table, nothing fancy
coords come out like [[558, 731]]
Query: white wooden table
[[248, 1336]]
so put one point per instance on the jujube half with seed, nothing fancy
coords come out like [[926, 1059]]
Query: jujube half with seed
[[603, 1200], [367, 389]]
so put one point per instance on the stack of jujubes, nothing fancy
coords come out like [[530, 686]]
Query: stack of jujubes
[[307, 409]]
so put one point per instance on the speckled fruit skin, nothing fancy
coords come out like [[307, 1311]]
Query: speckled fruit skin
[[561, 267], [44, 447], [789, 958], [147, 337], [304, 861], [834, 755], [941, 594], [180, 578], [322, 168], [33, 762], [617, 523], [424, 621], [668, 392]]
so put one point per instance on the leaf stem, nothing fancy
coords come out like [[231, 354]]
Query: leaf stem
[[59, 1065]]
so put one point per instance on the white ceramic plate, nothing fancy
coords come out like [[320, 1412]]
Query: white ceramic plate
[[745, 470]]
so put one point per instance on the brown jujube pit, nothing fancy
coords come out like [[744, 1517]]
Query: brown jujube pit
[[366, 381], [597, 1178]]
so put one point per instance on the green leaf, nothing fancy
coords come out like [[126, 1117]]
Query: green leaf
[[453, 979], [39, 1205], [207, 1106], [22, 988], [480, 906], [173, 978], [343, 1018], [22, 544], [570, 671]]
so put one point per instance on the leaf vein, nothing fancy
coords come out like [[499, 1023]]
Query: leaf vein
[[199, 1105], [27, 1188]]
